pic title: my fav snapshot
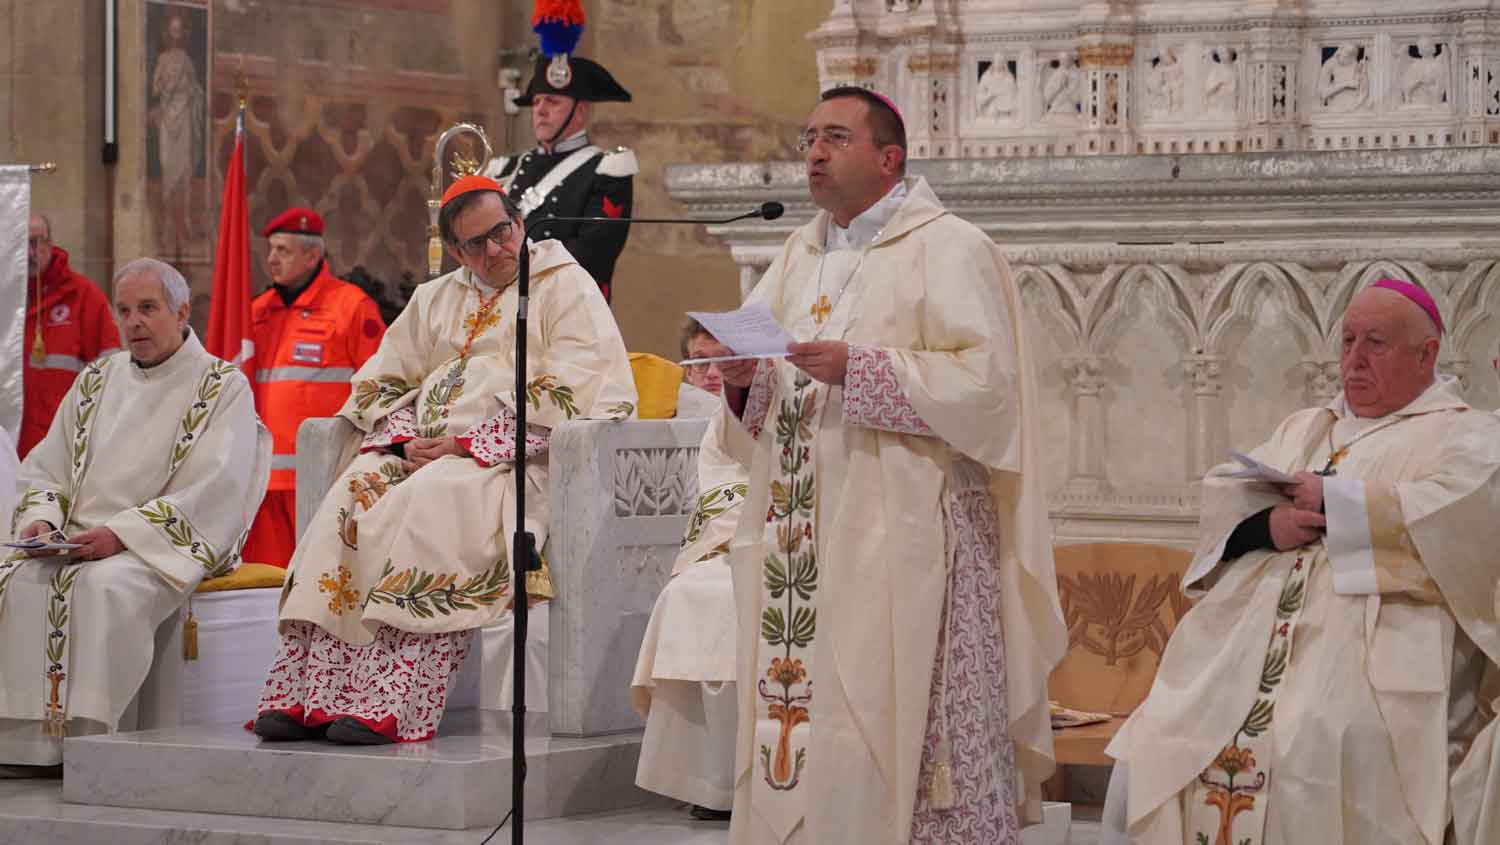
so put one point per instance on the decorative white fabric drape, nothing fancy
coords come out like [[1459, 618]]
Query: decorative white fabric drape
[[15, 211]]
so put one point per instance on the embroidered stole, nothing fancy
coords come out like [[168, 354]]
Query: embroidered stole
[[789, 573], [57, 648], [1227, 803]]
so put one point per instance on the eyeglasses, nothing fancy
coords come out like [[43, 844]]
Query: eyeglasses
[[839, 139], [475, 246]]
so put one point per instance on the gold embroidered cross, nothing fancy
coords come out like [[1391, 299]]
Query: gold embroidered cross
[[820, 310]]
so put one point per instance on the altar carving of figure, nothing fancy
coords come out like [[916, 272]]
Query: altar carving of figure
[[177, 115], [1344, 83], [1164, 83], [1060, 91], [996, 97], [1424, 78], [1221, 83]]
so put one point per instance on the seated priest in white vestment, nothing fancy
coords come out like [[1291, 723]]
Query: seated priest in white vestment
[[1326, 688], [153, 467], [684, 677], [898, 611], [410, 550]]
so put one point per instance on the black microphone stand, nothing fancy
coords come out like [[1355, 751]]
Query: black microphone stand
[[523, 546]]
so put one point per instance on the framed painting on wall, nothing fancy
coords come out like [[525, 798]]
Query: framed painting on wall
[[178, 182]]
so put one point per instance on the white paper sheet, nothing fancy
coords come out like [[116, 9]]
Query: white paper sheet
[[1257, 471], [752, 331]]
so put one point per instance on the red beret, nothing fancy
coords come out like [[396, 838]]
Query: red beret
[[470, 184], [295, 221]]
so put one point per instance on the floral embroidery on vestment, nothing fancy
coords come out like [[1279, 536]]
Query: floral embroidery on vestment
[[427, 594], [559, 394], [789, 617]]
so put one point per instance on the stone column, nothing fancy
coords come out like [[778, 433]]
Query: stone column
[[750, 274], [1204, 372], [923, 41], [1085, 375], [1106, 64], [1272, 64], [844, 57], [1476, 61], [1322, 380], [1106, 48]]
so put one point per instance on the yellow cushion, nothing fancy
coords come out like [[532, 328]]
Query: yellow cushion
[[656, 380], [249, 576]]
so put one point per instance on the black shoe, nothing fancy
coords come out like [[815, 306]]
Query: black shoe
[[276, 726], [704, 814], [346, 730]]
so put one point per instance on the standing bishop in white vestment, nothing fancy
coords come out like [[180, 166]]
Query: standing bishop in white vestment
[[898, 605], [1327, 687], [155, 465], [409, 552], [684, 676]]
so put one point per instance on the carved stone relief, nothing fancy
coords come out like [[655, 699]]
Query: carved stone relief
[[1062, 90], [1344, 80], [1422, 76], [996, 97], [1090, 78], [1165, 83], [655, 482], [1221, 83]]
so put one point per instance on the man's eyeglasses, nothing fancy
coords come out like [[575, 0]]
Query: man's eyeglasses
[[475, 246], [839, 139]]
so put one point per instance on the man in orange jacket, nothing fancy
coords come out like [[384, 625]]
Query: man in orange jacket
[[311, 331], [77, 325]]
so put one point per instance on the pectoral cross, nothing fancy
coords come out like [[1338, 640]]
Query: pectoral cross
[[820, 309], [451, 380], [1333, 460]]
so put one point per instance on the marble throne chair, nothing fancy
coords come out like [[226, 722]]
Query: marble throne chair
[[622, 492]]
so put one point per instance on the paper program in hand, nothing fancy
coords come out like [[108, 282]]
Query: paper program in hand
[[1257, 471], [751, 331]]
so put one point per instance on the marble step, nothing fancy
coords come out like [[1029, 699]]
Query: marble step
[[459, 780], [33, 812]]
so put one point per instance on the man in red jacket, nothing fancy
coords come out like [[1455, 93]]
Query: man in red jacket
[[76, 323], [311, 331]]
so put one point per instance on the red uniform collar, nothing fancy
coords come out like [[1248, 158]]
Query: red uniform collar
[[56, 275]]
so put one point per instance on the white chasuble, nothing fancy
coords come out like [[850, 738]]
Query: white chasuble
[[1326, 694], [842, 589], [174, 461], [684, 673], [428, 552]]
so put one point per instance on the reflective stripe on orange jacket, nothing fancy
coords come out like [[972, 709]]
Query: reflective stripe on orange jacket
[[305, 354], [78, 325]]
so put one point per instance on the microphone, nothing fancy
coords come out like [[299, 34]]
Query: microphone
[[766, 211]]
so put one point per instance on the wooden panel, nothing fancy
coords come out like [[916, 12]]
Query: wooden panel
[[1121, 602]]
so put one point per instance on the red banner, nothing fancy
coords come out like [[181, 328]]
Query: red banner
[[229, 310]]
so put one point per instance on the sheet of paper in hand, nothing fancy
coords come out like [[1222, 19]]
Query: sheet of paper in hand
[[1257, 471], [752, 332], [37, 545]]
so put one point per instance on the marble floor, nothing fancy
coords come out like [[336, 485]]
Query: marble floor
[[32, 811]]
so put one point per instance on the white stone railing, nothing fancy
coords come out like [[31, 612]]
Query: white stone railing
[[1028, 78]]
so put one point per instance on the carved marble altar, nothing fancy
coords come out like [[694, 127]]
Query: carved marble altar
[[1179, 306], [1012, 78]]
